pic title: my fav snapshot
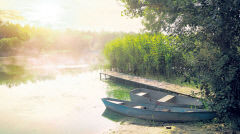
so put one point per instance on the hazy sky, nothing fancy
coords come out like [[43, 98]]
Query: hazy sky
[[95, 15]]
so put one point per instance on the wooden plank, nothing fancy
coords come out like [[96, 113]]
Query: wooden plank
[[152, 84], [166, 98]]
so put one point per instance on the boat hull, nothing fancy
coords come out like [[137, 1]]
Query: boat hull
[[157, 115]]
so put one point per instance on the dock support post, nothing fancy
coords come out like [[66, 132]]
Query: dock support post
[[100, 76]]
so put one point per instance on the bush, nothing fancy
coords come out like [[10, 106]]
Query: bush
[[146, 54]]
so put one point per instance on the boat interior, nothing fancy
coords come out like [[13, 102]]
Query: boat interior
[[159, 96]]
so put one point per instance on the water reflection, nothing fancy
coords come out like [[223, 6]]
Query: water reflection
[[113, 115], [116, 117], [118, 91], [67, 104], [57, 101], [14, 75]]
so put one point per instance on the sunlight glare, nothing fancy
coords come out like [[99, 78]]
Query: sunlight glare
[[48, 13]]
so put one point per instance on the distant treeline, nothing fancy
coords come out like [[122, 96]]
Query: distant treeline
[[11, 38], [17, 40], [146, 54]]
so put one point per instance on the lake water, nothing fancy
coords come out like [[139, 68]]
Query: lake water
[[63, 103]]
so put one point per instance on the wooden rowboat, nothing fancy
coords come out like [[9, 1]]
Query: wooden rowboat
[[157, 112], [142, 95]]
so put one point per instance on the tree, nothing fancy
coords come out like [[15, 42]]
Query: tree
[[216, 25]]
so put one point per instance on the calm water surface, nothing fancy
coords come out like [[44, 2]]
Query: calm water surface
[[61, 104]]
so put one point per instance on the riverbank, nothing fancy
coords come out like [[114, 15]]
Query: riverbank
[[169, 128]]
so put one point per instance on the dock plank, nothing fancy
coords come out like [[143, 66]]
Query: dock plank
[[153, 83]]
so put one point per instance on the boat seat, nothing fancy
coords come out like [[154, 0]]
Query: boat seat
[[116, 102], [166, 98], [140, 107], [141, 93]]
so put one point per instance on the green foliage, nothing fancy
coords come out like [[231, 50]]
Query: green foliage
[[13, 30], [211, 30], [146, 54], [11, 38]]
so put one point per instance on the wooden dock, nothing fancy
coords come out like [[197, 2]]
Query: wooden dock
[[140, 82]]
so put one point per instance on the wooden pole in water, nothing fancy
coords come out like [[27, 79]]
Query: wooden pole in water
[[100, 76]]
